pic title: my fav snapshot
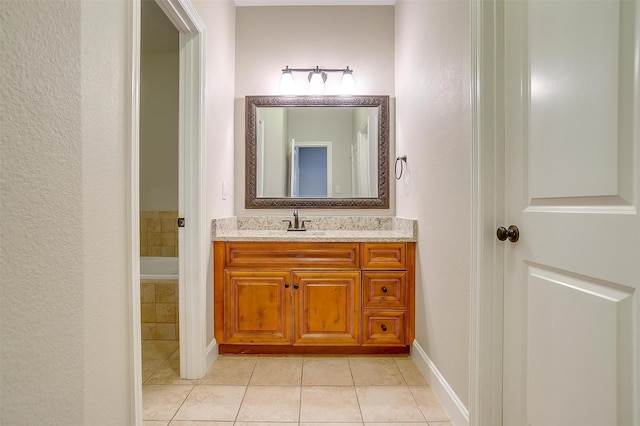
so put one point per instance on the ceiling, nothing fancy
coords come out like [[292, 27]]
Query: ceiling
[[158, 34], [315, 2]]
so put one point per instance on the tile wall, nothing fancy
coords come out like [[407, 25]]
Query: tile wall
[[159, 309], [159, 233]]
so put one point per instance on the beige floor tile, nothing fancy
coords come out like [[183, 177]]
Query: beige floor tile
[[410, 372], [326, 371], [266, 424], [149, 366], [168, 374], [375, 371], [199, 423], [329, 404], [388, 404], [155, 423], [270, 404], [207, 402], [159, 349], [429, 404], [397, 424], [440, 424], [330, 424], [277, 371], [160, 402], [229, 371]]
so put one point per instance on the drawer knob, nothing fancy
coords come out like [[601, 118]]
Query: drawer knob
[[384, 327], [286, 285], [296, 286], [384, 289]]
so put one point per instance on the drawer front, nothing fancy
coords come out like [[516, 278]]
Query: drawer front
[[382, 328], [292, 255], [385, 290], [384, 256]]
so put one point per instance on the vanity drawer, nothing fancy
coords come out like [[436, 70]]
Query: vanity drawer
[[292, 255], [382, 328], [384, 256], [384, 289]]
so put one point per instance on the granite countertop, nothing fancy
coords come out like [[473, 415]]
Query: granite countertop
[[321, 228]]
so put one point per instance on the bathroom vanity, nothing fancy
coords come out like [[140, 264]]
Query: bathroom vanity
[[327, 291]]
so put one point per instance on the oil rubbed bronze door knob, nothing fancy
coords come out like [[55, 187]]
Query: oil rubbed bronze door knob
[[384, 327], [512, 233]]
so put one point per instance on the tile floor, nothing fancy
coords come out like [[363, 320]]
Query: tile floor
[[266, 390]]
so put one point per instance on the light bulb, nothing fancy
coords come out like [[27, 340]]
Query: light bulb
[[287, 86], [316, 83], [347, 85]]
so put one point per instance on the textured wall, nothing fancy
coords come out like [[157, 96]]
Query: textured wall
[[42, 278], [64, 181], [269, 38], [433, 120]]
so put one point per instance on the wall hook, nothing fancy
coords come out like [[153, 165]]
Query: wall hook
[[400, 160]]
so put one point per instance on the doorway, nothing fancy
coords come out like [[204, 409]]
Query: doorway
[[312, 169], [190, 153], [159, 182]]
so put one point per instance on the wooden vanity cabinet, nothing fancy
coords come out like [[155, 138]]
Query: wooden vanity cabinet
[[286, 297]]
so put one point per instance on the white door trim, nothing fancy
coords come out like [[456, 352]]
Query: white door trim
[[486, 298], [134, 214], [192, 310]]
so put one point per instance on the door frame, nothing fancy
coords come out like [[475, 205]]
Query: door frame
[[486, 296], [192, 297]]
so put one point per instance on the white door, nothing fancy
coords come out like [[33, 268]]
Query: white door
[[572, 306]]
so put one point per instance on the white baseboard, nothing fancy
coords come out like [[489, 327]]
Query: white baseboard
[[211, 355], [458, 413]]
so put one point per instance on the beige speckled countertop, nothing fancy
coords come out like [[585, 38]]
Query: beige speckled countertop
[[321, 228]]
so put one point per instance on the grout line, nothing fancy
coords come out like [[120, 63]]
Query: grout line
[[246, 389]]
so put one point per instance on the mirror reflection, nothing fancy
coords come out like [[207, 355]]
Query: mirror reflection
[[317, 152]]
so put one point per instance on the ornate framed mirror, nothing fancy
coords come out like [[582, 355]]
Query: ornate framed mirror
[[317, 152]]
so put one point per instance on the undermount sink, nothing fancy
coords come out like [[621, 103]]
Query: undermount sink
[[305, 233]]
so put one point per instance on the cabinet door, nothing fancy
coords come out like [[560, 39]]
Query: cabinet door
[[326, 308], [258, 307]]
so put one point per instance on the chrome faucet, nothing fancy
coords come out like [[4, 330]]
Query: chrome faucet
[[296, 223]]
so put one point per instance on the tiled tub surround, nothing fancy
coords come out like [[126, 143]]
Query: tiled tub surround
[[159, 233], [159, 309], [320, 228]]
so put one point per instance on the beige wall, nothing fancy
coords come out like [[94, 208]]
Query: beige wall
[[219, 18], [433, 120], [269, 38], [159, 74], [65, 315]]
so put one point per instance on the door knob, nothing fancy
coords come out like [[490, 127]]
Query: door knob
[[512, 233]]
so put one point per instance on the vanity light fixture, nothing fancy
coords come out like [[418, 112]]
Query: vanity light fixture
[[317, 77]]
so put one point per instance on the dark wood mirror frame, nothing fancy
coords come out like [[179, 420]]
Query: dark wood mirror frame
[[254, 202]]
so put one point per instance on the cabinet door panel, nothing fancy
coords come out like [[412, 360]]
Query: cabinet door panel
[[327, 306], [258, 307]]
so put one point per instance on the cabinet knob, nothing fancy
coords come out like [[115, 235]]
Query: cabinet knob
[[296, 286], [384, 289], [286, 285], [384, 327]]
